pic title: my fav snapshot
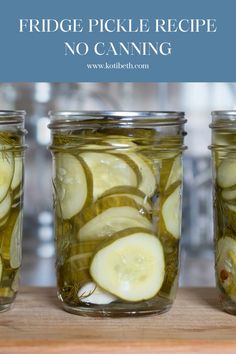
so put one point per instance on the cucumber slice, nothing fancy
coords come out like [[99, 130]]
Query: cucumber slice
[[5, 206], [175, 173], [148, 182], [131, 267], [111, 215], [108, 171], [226, 265], [120, 142], [16, 281], [229, 195], [3, 222], [93, 294], [71, 185], [11, 240], [15, 246], [231, 207], [1, 267], [80, 261], [6, 173], [132, 193], [171, 213], [226, 174], [18, 172]]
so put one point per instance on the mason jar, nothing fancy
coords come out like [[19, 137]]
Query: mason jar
[[224, 204], [117, 180], [12, 146]]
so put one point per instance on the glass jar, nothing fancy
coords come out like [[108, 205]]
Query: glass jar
[[117, 179], [12, 146], [224, 204]]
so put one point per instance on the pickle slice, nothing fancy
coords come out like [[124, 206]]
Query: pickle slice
[[229, 194], [110, 215], [120, 142], [11, 244], [175, 173], [171, 213], [71, 185], [6, 173], [93, 294], [5, 207], [231, 207], [147, 181], [131, 267], [130, 192], [226, 265], [108, 171], [226, 174], [1, 266], [18, 172]]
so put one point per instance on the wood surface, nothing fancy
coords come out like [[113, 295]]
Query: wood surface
[[195, 324]]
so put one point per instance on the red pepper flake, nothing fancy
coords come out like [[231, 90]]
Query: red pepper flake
[[224, 275]]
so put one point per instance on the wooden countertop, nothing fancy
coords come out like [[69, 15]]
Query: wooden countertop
[[195, 324]]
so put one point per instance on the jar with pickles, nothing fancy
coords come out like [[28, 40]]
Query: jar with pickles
[[12, 146], [117, 180], [224, 199]]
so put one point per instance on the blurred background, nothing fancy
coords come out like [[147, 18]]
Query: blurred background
[[196, 99]]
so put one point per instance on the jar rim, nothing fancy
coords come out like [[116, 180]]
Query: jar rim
[[12, 116], [223, 119], [62, 118]]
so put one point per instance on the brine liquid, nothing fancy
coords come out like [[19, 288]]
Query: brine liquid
[[11, 193], [113, 194]]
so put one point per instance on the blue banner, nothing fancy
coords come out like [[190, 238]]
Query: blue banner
[[115, 41]]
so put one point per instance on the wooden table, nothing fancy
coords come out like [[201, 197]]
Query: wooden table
[[196, 324]]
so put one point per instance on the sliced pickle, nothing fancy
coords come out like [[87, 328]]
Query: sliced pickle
[[171, 213], [226, 265], [5, 207], [167, 162], [93, 294], [81, 248], [226, 173], [18, 172], [171, 251], [229, 194], [15, 247], [11, 244], [16, 281], [92, 147], [3, 221], [148, 182], [110, 215], [131, 267], [120, 142], [79, 262], [108, 171], [6, 172], [232, 207], [130, 192], [71, 185], [175, 173], [147, 177], [1, 267]]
